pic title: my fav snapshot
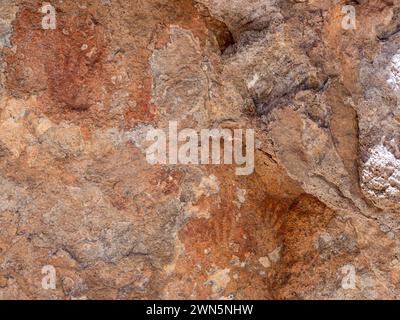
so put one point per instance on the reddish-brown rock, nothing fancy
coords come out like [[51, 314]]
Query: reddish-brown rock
[[76, 191]]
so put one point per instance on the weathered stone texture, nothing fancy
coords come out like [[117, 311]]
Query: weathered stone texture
[[77, 193]]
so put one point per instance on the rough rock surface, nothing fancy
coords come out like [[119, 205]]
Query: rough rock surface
[[77, 193]]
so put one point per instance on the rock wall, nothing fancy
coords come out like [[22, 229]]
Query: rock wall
[[318, 217]]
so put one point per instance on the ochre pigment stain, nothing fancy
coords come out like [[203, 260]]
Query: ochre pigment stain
[[71, 68], [62, 66]]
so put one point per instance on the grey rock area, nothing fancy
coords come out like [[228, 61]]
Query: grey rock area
[[283, 67]]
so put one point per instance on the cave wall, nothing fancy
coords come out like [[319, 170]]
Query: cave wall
[[77, 193]]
